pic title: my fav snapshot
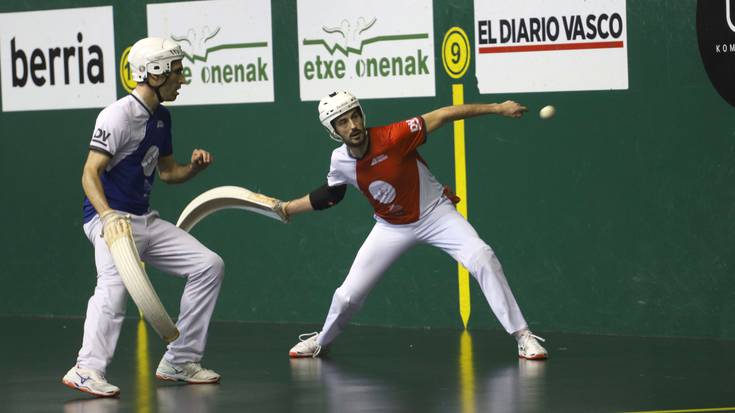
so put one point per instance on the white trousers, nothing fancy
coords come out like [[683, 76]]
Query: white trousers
[[171, 250], [444, 228]]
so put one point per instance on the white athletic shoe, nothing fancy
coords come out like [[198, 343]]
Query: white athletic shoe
[[192, 373], [308, 346], [89, 381], [529, 348]]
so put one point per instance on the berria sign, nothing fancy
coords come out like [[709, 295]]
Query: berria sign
[[69, 64]]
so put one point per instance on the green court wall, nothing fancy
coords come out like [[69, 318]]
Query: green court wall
[[616, 217]]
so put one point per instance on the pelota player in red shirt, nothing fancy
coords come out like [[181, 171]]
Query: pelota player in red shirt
[[411, 207]]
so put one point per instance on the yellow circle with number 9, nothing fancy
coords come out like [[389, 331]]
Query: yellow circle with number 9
[[126, 77], [456, 52]]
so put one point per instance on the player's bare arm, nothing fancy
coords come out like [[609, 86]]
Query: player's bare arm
[[111, 220], [94, 166], [173, 172], [439, 117]]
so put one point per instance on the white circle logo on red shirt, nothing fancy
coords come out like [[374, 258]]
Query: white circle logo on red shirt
[[382, 192]]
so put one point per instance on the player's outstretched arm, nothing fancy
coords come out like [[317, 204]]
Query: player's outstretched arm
[[173, 172], [439, 117]]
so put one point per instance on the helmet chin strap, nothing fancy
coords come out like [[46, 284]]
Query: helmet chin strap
[[155, 88]]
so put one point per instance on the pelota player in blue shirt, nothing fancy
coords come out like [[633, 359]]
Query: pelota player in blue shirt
[[131, 140]]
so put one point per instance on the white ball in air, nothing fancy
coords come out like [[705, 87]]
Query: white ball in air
[[547, 112]]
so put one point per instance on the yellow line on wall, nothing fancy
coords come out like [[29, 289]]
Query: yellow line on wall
[[460, 176]]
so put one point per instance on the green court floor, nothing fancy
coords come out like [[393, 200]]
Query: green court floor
[[373, 370]]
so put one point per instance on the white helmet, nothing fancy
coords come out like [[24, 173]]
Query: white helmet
[[153, 55], [335, 105]]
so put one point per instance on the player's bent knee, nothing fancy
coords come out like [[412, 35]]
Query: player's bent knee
[[210, 266], [215, 265], [345, 300], [484, 257]]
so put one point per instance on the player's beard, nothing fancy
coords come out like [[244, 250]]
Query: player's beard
[[168, 91], [356, 140], [172, 94]]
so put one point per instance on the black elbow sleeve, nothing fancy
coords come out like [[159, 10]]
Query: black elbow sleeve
[[326, 196]]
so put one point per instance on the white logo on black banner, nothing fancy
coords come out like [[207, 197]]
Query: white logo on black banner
[[716, 37]]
